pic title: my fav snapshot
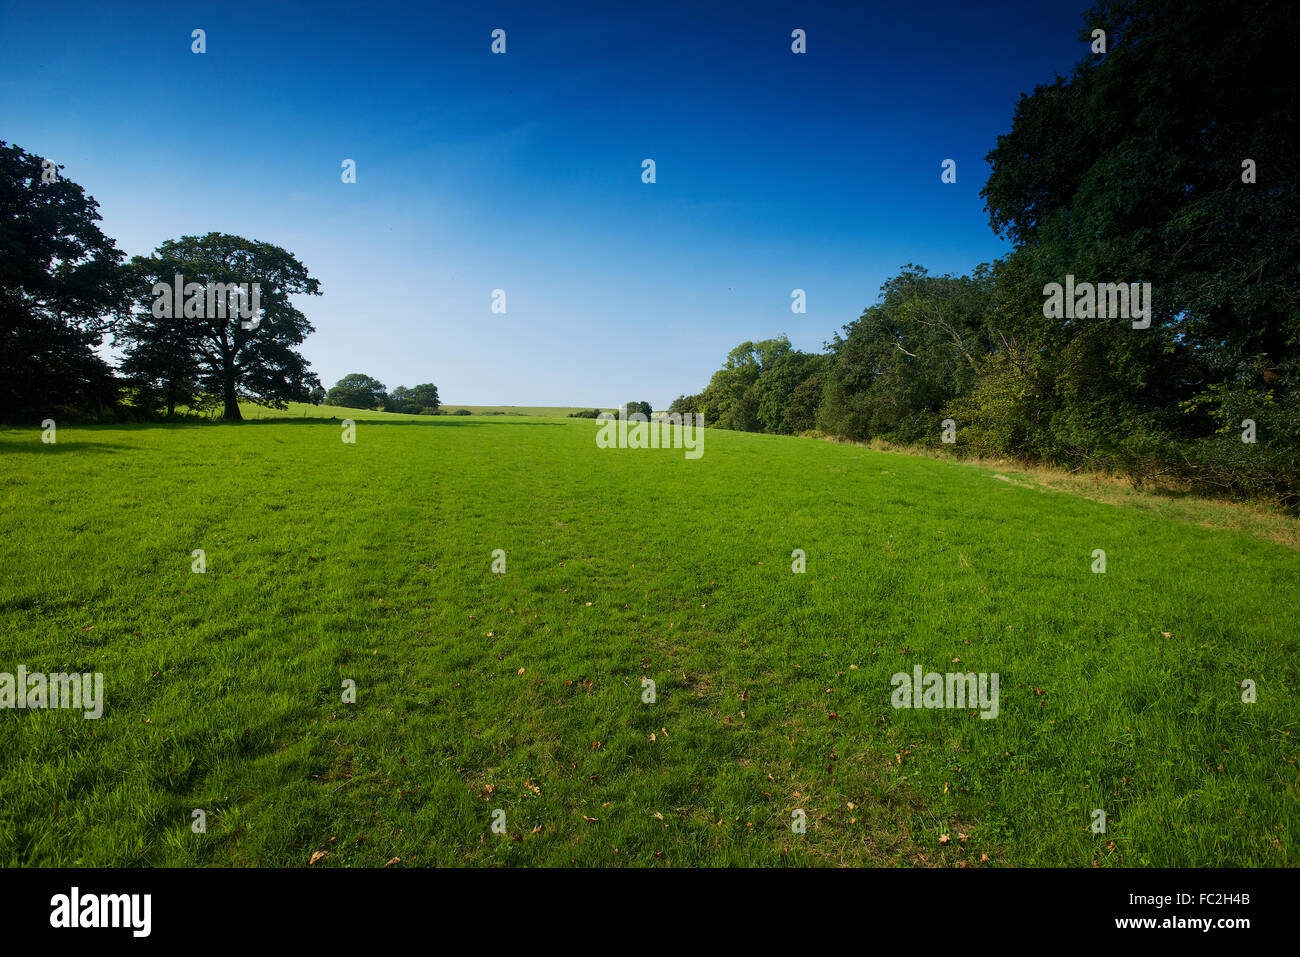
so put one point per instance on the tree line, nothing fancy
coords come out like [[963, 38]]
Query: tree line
[[628, 409], [1172, 159], [202, 323]]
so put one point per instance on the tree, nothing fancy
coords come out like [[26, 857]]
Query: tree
[[685, 403], [905, 357], [732, 400], [255, 358], [776, 385], [423, 398], [398, 400], [1134, 169], [1171, 162], [317, 394], [417, 400], [801, 410], [642, 408], [161, 362], [62, 288], [358, 391]]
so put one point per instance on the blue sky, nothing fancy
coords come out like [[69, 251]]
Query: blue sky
[[522, 171]]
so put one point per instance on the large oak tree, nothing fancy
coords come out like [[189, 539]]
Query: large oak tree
[[255, 359], [61, 289]]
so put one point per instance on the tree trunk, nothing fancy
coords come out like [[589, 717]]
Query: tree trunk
[[232, 400]]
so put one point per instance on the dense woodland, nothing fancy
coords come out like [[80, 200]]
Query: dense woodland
[[1171, 159]]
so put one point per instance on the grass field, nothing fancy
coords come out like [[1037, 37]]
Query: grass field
[[299, 410], [523, 691]]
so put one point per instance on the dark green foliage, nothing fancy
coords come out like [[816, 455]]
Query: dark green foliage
[[685, 403], [257, 361], [1132, 170], [1128, 171], [805, 399], [897, 366], [785, 371], [358, 391], [749, 393], [161, 362], [417, 400], [62, 288]]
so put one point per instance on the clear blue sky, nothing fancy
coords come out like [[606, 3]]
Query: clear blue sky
[[477, 171]]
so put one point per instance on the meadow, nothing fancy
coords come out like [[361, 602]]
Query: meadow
[[523, 692]]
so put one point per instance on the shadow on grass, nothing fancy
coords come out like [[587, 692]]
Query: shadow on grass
[[435, 422], [55, 448]]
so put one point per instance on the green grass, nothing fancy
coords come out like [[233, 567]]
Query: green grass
[[371, 562]]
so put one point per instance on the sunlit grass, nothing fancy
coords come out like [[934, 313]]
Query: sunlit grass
[[523, 691]]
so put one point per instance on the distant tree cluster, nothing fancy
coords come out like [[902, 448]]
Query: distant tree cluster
[[359, 391], [629, 408], [1115, 175]]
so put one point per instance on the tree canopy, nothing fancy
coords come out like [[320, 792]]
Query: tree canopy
[[237, 358], [1171, 159], [357, 391], [61, 290]]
